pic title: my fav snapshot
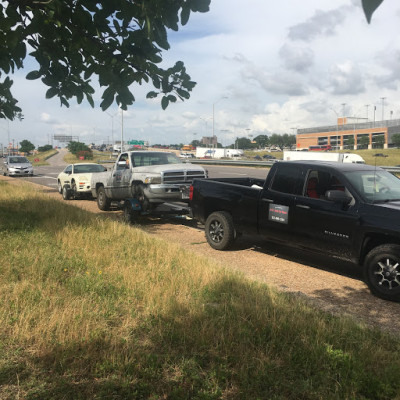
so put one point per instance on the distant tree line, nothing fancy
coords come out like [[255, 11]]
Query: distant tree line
[[259, 142]]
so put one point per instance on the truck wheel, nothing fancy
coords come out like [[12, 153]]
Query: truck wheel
[[220, 232], [382, 271], [103, 202], [138, 193], [59, 187], [66, 192]]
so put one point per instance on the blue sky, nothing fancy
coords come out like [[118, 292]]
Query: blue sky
[[263, 67]]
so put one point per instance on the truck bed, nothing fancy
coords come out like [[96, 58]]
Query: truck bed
[[238, 196]]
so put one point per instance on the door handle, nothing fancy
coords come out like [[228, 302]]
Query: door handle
[[267, 200], [303, 206]]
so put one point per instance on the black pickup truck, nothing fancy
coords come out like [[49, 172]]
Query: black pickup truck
[[347, 211]]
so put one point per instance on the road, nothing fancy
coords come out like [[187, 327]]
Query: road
[[47, 175]]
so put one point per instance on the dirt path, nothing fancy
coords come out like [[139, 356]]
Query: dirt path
[[330, 285]]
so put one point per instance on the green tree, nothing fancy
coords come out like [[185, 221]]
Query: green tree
[[76, 147], [364, 142], [349, 141], [379, 142], [44, 148], [120, 42], [195, 143], [396, 139], [26, 146], [262, 140]]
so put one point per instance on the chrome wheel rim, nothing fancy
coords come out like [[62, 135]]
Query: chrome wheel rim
[[387, 273], [216, 231]]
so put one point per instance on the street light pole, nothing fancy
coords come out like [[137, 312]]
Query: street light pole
[[122, 130], [383, 106], [213, 116]]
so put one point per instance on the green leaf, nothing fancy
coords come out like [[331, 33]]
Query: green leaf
[[164, 102], [151, 95], [64, 102], [183, 93], [108, 99], [369, 7], [33, 75], [51, 93], [90, 100], [185, 14]]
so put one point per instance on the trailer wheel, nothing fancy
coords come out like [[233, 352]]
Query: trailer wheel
[[220, 231], [130, 216], [103, 202], [382, 271]]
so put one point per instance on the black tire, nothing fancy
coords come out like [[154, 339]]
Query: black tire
[[130, 216], [66, 192], [382, 271], [220, 231], [103, 202], [75, 192], [59, 187]]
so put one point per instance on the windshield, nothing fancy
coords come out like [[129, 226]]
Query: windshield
[[375, 186], [149, 158], [79, 169], [18, 160]]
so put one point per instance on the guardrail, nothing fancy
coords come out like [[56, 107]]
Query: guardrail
[[244, 163]]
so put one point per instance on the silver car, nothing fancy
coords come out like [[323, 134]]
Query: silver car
[[17, 166]]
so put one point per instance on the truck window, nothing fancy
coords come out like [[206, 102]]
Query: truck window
[[286, 179], [319, 182]]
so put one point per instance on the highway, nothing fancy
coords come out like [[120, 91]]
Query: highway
[[47, 175]]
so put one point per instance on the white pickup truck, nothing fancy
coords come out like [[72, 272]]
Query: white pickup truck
[[151, 177]]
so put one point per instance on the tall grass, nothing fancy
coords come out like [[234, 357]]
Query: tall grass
[[93, 308]]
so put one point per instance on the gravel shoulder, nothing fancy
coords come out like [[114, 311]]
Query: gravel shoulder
[[329, 284]]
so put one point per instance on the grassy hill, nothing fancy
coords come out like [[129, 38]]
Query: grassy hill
[[95, 309]]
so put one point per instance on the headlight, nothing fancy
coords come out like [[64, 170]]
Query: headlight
[[153, 179]]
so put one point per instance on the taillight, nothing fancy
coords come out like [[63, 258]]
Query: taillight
[[191, 193]]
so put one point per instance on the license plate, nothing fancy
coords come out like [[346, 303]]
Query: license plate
[[185, 193]]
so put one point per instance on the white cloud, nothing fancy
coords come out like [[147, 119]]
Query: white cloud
[[281, 64]]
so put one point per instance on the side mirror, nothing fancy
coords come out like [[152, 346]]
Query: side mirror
[[338, 196]]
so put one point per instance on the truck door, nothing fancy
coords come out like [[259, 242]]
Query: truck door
[[276, 209], [323, 225], [121, 178]]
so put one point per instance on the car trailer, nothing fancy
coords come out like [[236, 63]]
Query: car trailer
[[132, 210]]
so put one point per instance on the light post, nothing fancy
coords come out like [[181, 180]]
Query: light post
[[224, 131], [344, 109], [213, 116], [122, 130], [112, 126], [383, 106], [337, 125]]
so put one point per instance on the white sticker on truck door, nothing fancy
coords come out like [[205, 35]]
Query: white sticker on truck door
[[278, 213]]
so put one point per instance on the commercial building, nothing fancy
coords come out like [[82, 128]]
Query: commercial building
[[349, 133]]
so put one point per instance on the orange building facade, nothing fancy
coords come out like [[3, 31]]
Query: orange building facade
[[349, 134]]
